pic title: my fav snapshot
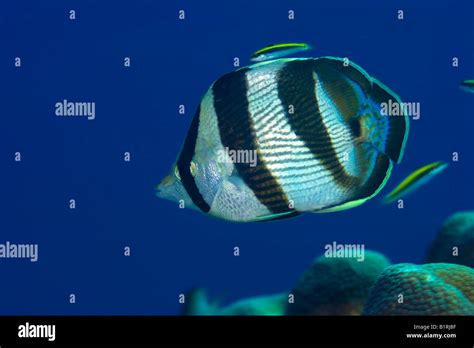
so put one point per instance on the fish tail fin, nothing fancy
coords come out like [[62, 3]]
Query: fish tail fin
[[387, 133], [197, 303]]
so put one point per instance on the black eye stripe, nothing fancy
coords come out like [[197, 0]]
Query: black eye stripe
[[184, 165]]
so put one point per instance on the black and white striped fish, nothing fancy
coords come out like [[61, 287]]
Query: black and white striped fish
[[286, 136]]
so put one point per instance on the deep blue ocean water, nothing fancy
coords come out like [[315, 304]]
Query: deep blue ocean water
[[173, 62]]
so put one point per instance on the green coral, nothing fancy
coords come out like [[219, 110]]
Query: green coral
[[198, 304], [259, 305], [336, 286], [430, 289], [455, 242]]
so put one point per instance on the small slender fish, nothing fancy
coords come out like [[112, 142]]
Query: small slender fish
[[467, 85], [415, 180], [278, 51]]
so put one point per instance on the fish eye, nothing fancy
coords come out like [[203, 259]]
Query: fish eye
[[193, 168], [176, 172]]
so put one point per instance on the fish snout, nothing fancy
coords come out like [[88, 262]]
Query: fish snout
[[167, 181], [164, 186]]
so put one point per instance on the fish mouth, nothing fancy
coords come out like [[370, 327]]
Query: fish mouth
[[164, 187], [167, 181]]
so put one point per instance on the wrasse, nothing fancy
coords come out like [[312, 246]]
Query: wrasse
[[415, 180], [278, 50], [467, 85]]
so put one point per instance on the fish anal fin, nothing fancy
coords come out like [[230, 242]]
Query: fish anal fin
[[344, 206], [280, 216], [374, 184]]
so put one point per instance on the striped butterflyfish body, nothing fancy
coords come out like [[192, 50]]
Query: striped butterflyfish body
[[287, 136]]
